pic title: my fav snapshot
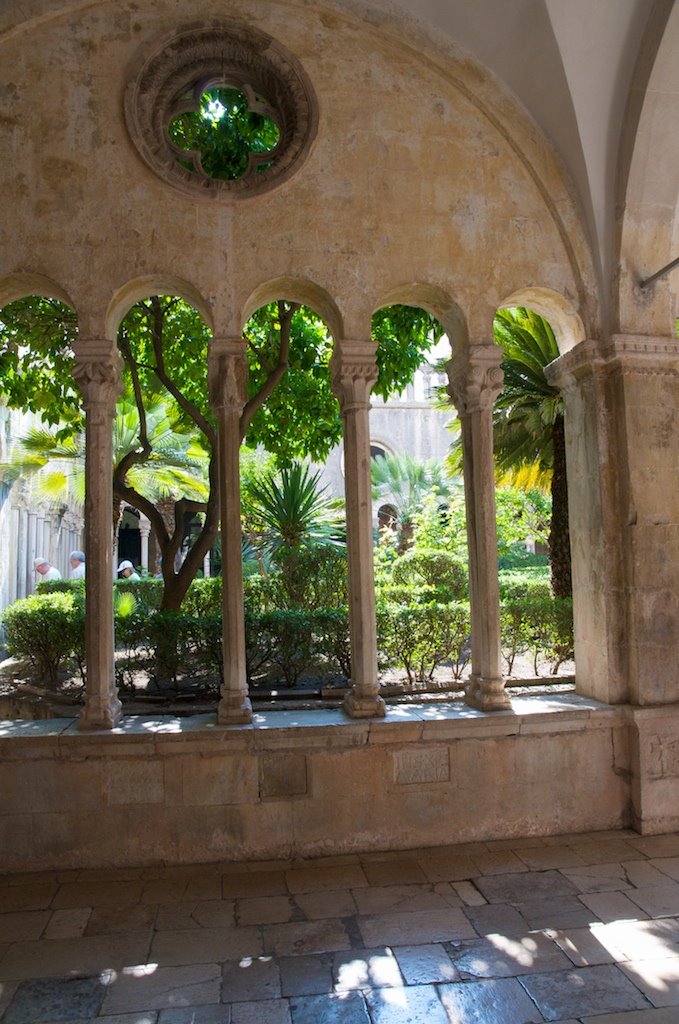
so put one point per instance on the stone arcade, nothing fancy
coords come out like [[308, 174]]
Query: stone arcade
[[418, 165]]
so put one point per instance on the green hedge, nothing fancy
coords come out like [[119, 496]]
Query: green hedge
[[47, 629], [419, 638]]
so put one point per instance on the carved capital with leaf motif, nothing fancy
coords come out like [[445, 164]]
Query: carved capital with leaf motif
[[353, 369], [475, 378], [228, 374], [98, 373]]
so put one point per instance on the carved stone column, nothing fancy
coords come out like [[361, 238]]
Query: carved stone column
[[144, 532], [97, 373], [475, 381], [228, 377], [354, 371]]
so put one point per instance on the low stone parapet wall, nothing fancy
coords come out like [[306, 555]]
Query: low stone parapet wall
[[308, 783]]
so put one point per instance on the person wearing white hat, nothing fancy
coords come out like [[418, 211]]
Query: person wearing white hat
[[77, 565], [127, 570], [44, 569]]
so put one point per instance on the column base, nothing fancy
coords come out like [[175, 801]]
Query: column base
[[364, 707], [100, 715], [487, 694], [234, 709]]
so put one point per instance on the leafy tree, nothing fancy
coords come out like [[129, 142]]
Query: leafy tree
[[290, 408], [528, 423]]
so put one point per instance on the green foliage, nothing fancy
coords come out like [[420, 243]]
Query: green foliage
[[420, 637], [289, 510], [224, 132], [440, 571], [290, 644], [309, 578], [48, 629], [405, 482], [404, 335], [520, 514]]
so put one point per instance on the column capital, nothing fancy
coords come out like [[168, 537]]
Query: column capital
[[228, 373], [353, 369], [98, 373], [640, 354], [475, 377]]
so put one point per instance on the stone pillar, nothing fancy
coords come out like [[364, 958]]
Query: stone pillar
[[354, 371], [206, 565], [475, 381], [144, 532], [228, 377], [97, 373]]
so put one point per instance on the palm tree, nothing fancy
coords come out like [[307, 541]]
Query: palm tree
[[528, 426], [406, 481], [177, 465]]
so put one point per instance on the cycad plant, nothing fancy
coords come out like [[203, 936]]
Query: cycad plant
[[528, 426]]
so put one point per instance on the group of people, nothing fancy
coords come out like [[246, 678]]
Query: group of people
[[41, 565]]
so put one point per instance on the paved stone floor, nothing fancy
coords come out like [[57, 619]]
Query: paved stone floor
[[571, 929]]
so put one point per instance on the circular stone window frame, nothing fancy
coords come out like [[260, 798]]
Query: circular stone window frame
[[231, 55]]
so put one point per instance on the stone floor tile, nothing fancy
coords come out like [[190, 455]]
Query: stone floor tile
[[614, 906], [349, 876], [499, 862], [560, 912], [164, 890], [584, 946], [608, 851], [249, 979], [204, 887], [426, 964], [306, 975], [417, 1004], [449, 894], [109, 920], [317, 905], [366, 969], [393, 899], [447, 867], [218, 1014], [214, 913], [344, 1008], [148, 987], [658, 900], [7, 990], [98, 894], [583, 991], [656, 846], [325, 936], [657, 979], [84, 956], [546, 857], [527, 843], [532, 885], [642, 873], [501, 1001], [68, 924], [496, 918], [139, 1017], [264, 910], [499, 956], [204, 945], [633, 1017], [469, 894], [640, 940], [268, 1011], [395, 872], [36, 896], [412, 929], [55, 999], [600, 877], [23, 924], [254, 883]]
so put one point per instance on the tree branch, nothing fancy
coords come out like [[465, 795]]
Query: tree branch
[[285, 314]]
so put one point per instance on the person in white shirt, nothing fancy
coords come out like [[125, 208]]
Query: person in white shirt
[[44, 569], [127, 571], [77, 565]]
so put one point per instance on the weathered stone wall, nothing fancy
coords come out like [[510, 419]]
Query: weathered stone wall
[[292, 785], [420, 173]]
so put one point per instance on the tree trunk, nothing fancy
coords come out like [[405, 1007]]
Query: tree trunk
[[559, 536]]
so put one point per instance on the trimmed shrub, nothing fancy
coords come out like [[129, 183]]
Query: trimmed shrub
[[439, 570], [419, 638], [291, 645], [47, 629]]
